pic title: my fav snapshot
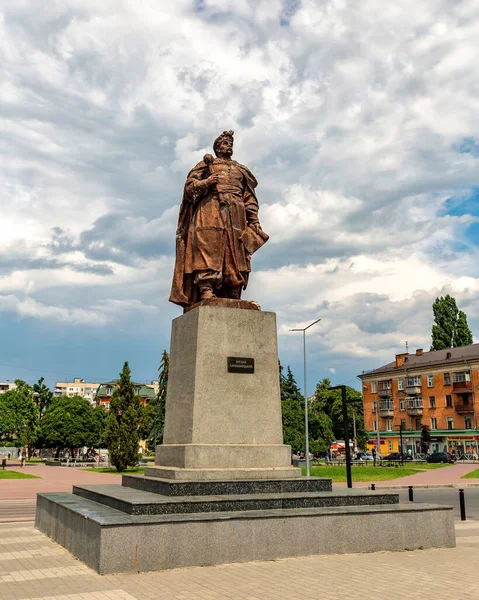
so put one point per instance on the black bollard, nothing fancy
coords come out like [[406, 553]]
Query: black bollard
[[373, 487], [411, 494], [462, 504]]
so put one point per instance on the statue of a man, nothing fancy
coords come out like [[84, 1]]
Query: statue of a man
[[218, 228]]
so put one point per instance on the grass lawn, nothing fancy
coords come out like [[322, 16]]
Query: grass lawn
[[471, 475], [338, 474], [137, 470], [16, 475]]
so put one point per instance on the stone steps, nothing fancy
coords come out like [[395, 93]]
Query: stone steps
[[170, 487], [138, 502]]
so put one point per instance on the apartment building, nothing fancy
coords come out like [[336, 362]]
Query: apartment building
[[437, 389], [77, 387], [103, 394], [6, 386]]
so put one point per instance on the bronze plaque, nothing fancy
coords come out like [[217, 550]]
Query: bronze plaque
[[240, 365]]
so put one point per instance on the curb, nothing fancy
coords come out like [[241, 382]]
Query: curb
[[425, 486]]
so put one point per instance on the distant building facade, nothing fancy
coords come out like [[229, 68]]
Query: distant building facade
[[6, 386], [147, 392], [77, 387], [437, 389]]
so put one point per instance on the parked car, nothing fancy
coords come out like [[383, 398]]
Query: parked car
[[397, 456], [440, 457], [363, 456]]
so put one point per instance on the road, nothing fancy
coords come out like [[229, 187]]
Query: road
[[447, 496]]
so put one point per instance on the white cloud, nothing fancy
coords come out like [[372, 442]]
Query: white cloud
[[351, 115]]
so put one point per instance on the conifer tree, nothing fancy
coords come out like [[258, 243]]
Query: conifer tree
[[158, 421], [123, 422]]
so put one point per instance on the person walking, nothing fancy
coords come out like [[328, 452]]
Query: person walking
[[374, 453], [23, 457]]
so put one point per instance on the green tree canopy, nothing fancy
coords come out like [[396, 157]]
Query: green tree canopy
[[19, 415], [292, 405], [450, 328], [72, 422], [329, 402], [123, 423], [462, 335]]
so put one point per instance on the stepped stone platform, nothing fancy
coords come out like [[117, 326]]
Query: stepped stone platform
[[153, 524]]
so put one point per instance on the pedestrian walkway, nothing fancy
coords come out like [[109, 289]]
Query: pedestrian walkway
[[32, 567], [17, 510], [53, 479], [446, 476]]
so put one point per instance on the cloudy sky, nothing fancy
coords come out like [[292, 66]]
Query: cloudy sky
[[360, 121]]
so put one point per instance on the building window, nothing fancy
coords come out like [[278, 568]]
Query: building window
[[373, 387], [448, 401], [375, 406], [418, 424], [375, 425], [460, 377], [450, 423], [403, 424], [402, 405], [108, 391], [467, 422], [389, 424], [447, 379], [432, 401], [413, 381], [70, 389], [430, 381], [137, 391], [107, 405], [434, 423], [400, 384]]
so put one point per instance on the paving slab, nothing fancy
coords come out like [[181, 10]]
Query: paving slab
[[426, 574]]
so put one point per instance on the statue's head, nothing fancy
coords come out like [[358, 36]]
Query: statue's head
[[223, 145]]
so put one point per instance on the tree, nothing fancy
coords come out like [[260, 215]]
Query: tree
[[425, 439], [292, 405], [19, 415], [42, 396], [462, 335], [157, 423], [124, 417], [71, 422], [329, 402], [450, 328]]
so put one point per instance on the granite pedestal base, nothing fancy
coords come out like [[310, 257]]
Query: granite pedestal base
[[153, 524], [222, 423]]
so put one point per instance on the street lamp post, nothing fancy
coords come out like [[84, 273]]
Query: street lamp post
[[306, 423]]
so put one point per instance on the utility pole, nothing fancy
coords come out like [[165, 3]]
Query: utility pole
[[306, 421]]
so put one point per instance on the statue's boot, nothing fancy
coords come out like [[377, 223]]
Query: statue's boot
[[206, 290], [235, 293]]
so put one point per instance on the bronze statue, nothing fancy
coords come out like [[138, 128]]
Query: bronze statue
[[218, 228]]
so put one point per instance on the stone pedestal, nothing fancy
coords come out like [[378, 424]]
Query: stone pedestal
[[223, 489], [223, 425]]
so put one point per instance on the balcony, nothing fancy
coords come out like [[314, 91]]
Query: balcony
[[384, 389], [461, 387], [413, 386], [386, 408], [464, 406], [414, 406]]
